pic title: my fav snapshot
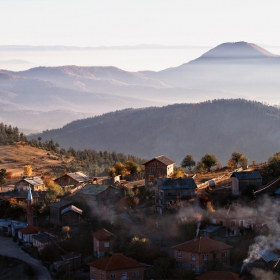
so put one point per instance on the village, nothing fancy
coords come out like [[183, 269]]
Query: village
[[220, 224]]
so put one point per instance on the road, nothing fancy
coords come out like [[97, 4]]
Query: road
[[11, 249]]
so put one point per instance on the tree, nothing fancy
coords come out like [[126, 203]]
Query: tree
[[238, 158], [131, 167], [208, 161], [27, 170], [188, 162], [54, 190], [178, 173], [3, 176], [274, 161], [231, 164]]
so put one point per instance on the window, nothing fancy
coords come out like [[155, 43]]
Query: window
[[180, 265], [102, 276], [106, 244], [223, 254], [124, 274], [136, 273], [193, 257], [97, 243], [205, 257], [113, 276], [92, 272], [179, 254], [232, 223], [250, 221]]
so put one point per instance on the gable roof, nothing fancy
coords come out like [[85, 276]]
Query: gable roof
[[43, 237], [247, 175], [61, 203], [94, 189], [29, 230], [79, 176], [35, 181], [72, 208], [162, 159], [180, 183], [201, 245], [268, 255], [115, 262], [103, 234], [219, 275]]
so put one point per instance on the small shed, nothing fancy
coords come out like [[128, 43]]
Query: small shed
[[71, 215], [55, 211], [41, 240], [241, 180]]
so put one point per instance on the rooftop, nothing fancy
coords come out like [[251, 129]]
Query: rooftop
[[268, 255], [29, 230], [61, 203], [115, 262], [79, 176], [162, 159], [246, 175], [103, 234], [72, 208], [201, 245], [94, 189], [211, 228], [180, 183], [35, 181], [43, 237]]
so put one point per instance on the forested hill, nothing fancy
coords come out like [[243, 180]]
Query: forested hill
[[219, 127]]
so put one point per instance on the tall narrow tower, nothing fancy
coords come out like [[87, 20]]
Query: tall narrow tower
[[29, 208]]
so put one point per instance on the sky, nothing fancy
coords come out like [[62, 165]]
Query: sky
[[131, 22], [93, 23]]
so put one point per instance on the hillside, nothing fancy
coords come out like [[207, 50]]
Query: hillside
[[219, 127], [230, 70]]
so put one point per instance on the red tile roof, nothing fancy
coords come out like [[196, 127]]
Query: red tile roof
[[29, 230], [219, 275], [115, 262], [201, 245], [103, 234]]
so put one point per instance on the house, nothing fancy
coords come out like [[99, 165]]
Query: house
[[168, 191], [5, 226], [20, 196], [241, 180], [102, 243], [74, 259], [71, 215], [195, 254], [269, 257], [219, 275], [118, 267], [35, 183], [235, 218], [55, 211], [75, 179], [16, 226], [158, 168], [26, 234], [99, 192], [41, 240]]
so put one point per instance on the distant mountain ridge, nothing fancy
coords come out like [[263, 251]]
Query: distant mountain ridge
[[230, 70], [219, 127]]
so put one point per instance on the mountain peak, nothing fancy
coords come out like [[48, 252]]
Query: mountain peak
[[238, 50]]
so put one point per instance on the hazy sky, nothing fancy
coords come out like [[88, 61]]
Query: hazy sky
[[131, 22]]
